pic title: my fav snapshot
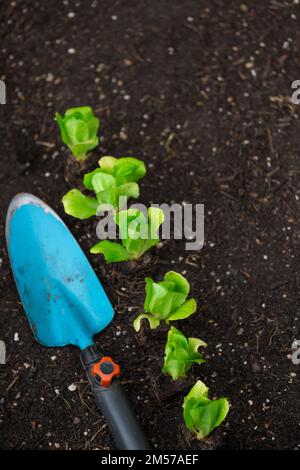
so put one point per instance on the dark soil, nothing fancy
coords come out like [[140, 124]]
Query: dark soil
[[200, 90]]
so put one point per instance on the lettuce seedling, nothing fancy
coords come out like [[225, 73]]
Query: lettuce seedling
[[113, 182], [166, 300], [137, 235], [201, 414], [181, 353], [79, 128]]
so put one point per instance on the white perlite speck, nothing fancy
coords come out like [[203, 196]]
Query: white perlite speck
[[72, 388]]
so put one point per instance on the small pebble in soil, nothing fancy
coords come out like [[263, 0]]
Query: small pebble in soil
[[244, 8], [72, 387], [16, 337], [71, 50], [49, 77], [123, 135]]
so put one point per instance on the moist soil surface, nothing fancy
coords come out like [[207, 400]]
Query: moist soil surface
[[201, 91]]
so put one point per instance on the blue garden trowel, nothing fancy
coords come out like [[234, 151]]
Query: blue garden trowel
[[66, 304]]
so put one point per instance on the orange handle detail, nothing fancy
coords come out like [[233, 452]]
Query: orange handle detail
[[106, 369]]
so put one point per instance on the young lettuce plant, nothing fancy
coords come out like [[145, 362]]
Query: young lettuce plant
[[201, 414], [113, 182], [79, 128], [181, 353], [137, 235], [166, 301]]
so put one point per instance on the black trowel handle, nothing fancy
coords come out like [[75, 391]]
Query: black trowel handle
[[103, 374]]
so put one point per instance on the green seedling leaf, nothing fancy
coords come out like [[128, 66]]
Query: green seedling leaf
[[128, 169], [153, 322], [113, 195], [181, 353], [134, 228], [79, 130], [113, 252], [179, 282], [78, 205], [107, 164], [201, 414], [124, 169], [87, 179], [166, 300], [102, 182], [111, 190], [184, 311]]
